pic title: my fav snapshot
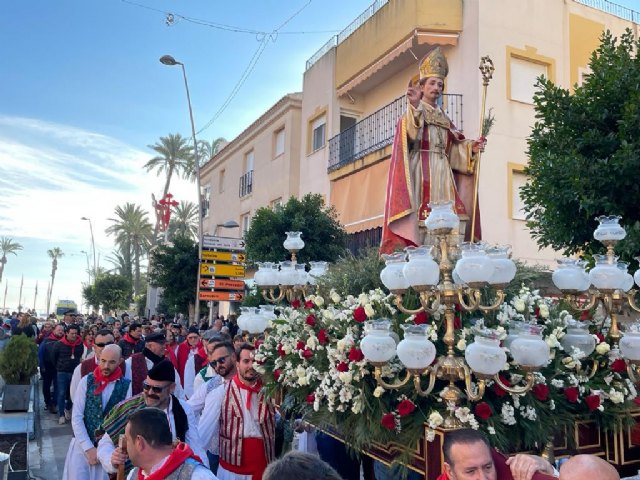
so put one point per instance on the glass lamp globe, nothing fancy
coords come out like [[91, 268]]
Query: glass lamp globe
[[529, 349], [504, 268], [606, 275], [392, 275], [293, 242], [609, 229], [475, 267], [421, 270], [442, 218], [570, 275], [484, 355], [377, 345], [257, 323], [630, 343], [578, 338], [415, 351]]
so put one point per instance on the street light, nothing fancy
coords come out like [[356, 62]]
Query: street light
[[227, 224], [93, 247], [169, 60]]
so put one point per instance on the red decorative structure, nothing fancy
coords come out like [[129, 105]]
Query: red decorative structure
[[163, 210]]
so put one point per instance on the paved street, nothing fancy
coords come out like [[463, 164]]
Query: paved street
[[47, 452]]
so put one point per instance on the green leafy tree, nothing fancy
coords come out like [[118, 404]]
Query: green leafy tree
[[7, 247], [323, 236], [112, 291], [184, 220], [585, 153], [175, 154], [173, 268]]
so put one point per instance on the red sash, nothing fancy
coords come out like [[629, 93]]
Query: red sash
[[254, 461], [102, 381]]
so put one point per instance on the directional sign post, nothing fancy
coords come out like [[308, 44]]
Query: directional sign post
[[223, 243], [221, 270], [222, 296], [223, 256], [222, 284]]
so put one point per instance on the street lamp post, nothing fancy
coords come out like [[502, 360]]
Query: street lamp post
[[86, 254], [169, 60], [93, 248]]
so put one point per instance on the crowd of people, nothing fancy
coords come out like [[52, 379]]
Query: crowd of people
[[157, 399]]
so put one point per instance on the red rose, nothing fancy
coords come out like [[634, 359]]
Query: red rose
[[457, 322], [572, 394], [308, 304], [307, 353], [295, 303], [276, 374], [586, 315], [593, 402], [322, 336], [483, 410], [257, 343], [600, 337], [356, 355], [405, 407], [301, 346], [359, 315], [388, 421], [280, 350], [342, 367], [311, 321], [540, 391], [498, 390], [421, 318], [618, 365], [311, 398]]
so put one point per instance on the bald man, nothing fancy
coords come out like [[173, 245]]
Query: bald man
[[96, 395], [580, 467]]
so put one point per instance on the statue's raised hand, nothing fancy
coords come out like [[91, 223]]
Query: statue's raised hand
[[414, 94]]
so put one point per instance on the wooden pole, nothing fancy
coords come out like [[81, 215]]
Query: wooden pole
[[486, 69], [122, 443]]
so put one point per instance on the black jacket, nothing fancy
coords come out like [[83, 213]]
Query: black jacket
[[62, 356]]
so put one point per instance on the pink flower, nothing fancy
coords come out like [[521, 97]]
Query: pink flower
[[276, 374], [300, 345]]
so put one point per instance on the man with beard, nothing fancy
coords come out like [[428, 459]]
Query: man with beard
[[131, 341], [137, 366], [158, 389], [67, 353], [245, 418], [151, 450], [103, 339], [48, 367], [186, 350], [222, 359], [97, 393]]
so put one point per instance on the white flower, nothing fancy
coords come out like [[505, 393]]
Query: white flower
[[335, 298], [363, 299], [378, 392], [616, 397], [328, 314], [302, 381], [312, 343], [345, 377], [318, 300], [368, 309], [544, 310], [507, 414], [556, 382], [341, 344], [301, 372], [519, 305], [602, 348], [462, 344], [431, 435], [435, 420], [491, 430]]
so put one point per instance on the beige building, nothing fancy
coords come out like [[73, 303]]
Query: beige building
[[353, 94]]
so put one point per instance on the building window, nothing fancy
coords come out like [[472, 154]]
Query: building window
[[246, 180], [221, 181], [524, 68], [248, 161], [278, 144], [245, 222], [206, 197], [517, 180], [276, 203], [318, 132]]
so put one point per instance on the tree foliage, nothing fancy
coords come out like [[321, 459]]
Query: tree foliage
[[585, 153], [174, 269], [109, 290], [323, 235]]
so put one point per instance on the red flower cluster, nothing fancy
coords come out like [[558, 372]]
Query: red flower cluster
[[280, 350], [572, 394], [295, 303], [276, 374], [356, 355], [593, 402], [323, 338], [498, 390], [359, 315], [311, 321], [421, 318], [618, 365], [540, 391], [342, 367], [258, 342], [308, 304], [406, 407], [600, 337], [483, 410], [308, 353], [301, 345], [388, 421], [310, 398]]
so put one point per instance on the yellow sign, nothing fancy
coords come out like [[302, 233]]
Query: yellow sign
[[223, 256], [221, 270]]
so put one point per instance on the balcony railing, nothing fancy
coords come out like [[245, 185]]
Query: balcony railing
[[377, 130], [246, 184], [613, 9]]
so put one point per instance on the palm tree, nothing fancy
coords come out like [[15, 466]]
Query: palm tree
[[208, 150], [54, 254], [133, 233], [175, 155], [7, 246], [184, 220]]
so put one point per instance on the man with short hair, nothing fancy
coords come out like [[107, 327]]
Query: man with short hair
[[132, 341], [67, 353], [97, 393], [158, 392], [300, 466], [151, 450], [209, 340], [580, 467], [48, 367], [468, 455], [103, 339], [186, 350]]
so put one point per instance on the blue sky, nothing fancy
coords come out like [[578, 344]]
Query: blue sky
[[82, 95]]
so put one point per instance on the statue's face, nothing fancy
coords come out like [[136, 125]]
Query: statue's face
[[432, 89]]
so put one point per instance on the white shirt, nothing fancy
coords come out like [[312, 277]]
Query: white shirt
[[75, 378], [199, 380], [190, 373], [199, 473], [198, 398], [178, 392], [77, 414]]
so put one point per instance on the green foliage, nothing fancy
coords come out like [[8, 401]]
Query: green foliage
[[110, 290], [585, 153], [353, 274], [323, 235], [19, 360], [174, 269]]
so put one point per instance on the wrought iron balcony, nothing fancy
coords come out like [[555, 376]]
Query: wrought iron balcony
[[376, 131], [246, 184]]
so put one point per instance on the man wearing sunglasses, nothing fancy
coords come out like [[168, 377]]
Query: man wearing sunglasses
[[102, 339], [158, 392]]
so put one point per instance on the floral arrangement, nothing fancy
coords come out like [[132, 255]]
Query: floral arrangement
[[311, 352]]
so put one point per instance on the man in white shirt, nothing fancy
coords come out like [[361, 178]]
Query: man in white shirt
[[151, 450], [103, 338], [97, 393]]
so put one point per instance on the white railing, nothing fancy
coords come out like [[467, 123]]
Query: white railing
[[613, 9]]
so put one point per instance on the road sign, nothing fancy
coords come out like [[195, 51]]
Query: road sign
[[223, 256], [221, 270], [223, 243], [222, 296], [222, 284]]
